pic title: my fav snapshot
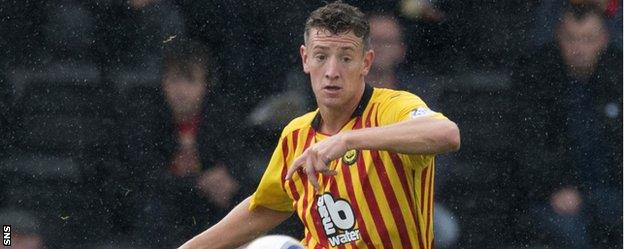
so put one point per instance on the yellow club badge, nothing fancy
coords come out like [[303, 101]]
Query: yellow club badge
[[350, 157]]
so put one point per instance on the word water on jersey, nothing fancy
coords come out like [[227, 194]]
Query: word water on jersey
[[338, 220]]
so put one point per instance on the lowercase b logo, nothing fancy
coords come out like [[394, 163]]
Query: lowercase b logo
[[338, 220]]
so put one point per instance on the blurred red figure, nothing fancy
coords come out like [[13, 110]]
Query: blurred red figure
[[177, 144]]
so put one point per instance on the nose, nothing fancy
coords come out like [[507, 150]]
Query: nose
[[331, 72]]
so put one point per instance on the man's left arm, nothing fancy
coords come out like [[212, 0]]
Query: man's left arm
[[422, 135]]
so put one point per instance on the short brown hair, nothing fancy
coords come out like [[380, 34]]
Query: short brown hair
[[583, 10], [183, 55], [338, 18]]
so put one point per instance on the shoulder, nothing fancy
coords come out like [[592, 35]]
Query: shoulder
[[384, 95], [300, 122]]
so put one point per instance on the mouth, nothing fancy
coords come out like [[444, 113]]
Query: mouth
[[332, 88]]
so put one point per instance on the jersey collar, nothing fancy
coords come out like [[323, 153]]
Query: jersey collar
[[359, 110]]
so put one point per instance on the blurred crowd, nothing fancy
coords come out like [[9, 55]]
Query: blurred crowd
[[140, 123]]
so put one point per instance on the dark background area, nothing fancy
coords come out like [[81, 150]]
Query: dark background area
[[68, 68]]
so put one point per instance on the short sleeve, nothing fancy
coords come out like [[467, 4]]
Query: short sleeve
[[401, 106], [270, 192]]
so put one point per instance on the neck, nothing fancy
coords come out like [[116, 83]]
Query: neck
[[184, 116], [333, 119], [582, 74]]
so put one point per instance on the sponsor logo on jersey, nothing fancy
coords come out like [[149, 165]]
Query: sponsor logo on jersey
[[421, 112], [338, 220]]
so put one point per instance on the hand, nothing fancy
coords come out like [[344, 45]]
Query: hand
[[318, 156], [218, 186], [566, 201]]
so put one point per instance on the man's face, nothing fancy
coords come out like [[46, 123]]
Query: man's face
[[337, 64], [581, 41], [387, 42], [184, 93]]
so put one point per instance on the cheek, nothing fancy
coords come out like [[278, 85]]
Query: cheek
[[593, 48], [193, 91], [567, 49], [316, 84], [316, 75], [358, 70]]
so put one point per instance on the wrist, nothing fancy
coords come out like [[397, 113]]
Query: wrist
[[349, 140]]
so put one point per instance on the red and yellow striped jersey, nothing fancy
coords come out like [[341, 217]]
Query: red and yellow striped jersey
[[378, 199]]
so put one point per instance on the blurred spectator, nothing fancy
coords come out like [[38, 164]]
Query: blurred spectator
[[386, 39], [388, 70], [569, 109], [548, 13], [177, 147], [24, 229]]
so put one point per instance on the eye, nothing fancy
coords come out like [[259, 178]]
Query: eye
[[320, 57], [346, 59]]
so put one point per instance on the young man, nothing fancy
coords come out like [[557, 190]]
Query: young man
[[358, 171]]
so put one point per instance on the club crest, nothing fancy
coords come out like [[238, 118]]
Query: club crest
[[350, 157]]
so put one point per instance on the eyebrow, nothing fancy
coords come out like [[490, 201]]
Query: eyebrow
[[341, 48], [320, 47]]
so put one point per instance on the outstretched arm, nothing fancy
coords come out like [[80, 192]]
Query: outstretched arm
[[415, 136], [423, 135], [237, 228]]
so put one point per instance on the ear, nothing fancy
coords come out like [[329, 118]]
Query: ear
[[304, 58], [402, 51], [368, 61], [604, 36], [558, 32]]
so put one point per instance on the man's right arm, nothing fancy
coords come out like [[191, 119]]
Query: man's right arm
[[240, 226]]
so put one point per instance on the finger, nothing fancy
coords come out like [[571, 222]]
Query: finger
[[322, 166], [312, 177], [295, 166], [311, 171], [329, 172]]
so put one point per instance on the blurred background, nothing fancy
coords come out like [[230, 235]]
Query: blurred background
[[140, 123]]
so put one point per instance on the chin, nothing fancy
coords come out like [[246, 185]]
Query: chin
[[333, 103]]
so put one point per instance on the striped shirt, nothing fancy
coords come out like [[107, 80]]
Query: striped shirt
[[378, 199]]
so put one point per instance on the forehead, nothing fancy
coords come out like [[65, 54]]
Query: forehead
[[383, 27], [320, 38], [588, 25]]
